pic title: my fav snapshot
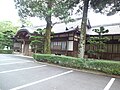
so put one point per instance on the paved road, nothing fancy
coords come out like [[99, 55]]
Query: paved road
[[20, 73]]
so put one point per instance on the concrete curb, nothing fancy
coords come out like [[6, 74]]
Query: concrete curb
[[83, 70]]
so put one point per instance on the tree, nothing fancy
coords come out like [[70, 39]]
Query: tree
[[99, 42], [82, 41], [108, 7], [37, 40], [7, 31], [7, 25], [45, 9], [7, 39], [1, 41]]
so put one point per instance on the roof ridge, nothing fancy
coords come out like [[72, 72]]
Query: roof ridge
[[112, 24]]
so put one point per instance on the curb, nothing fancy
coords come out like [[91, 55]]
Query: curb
[[78, 70], [83, 70]]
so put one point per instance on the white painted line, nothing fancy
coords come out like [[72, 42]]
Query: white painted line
[[22, 69], [11, 60], [15, 63], [7, 59], [42, 80], [24, 56], [109, 84]]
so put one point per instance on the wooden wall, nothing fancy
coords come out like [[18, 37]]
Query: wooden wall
[[112, 50]]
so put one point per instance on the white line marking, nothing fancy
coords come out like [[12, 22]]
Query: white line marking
[[7, 59], [11, 60], [42, 80], [22, 69], [109, 84], [15, 62]]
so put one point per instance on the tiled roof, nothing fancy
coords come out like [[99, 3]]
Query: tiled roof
[[113, 29]]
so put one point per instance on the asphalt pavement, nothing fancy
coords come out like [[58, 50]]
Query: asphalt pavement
[[23, 73]]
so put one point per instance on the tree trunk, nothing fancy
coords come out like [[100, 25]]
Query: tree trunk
[[81, 46], [47, 48]]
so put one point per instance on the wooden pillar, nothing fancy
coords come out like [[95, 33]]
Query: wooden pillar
[[112, 48], [25, 48]]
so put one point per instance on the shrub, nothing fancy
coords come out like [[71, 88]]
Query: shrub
[[6, 51], [109, 67], [61, 60]]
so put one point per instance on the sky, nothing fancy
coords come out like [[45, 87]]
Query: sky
[[8, 12]]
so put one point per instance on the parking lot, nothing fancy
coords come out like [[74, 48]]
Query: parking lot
[[21, 73]]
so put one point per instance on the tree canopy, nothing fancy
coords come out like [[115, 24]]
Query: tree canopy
[[7, 25], [45, 9], [37, 41], [108, 7], [98, 42], [7, 31]]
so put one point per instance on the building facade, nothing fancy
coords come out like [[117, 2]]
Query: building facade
[[66, 43]]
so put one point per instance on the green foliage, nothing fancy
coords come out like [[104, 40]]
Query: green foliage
[[37, 41], [101, 31], [6, 26], [98, 42], [109, 7], [7, 39], [41, 9], [109, 67], [1, 41], [7, 31], [61, 60], [6, 51]]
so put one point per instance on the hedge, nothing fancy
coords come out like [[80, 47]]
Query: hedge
[[109, 67], [6, 51], [61, 60]]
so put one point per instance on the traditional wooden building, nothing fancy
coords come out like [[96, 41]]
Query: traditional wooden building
[[22, 42], [66, 43], [112, 50], [70, 39]]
